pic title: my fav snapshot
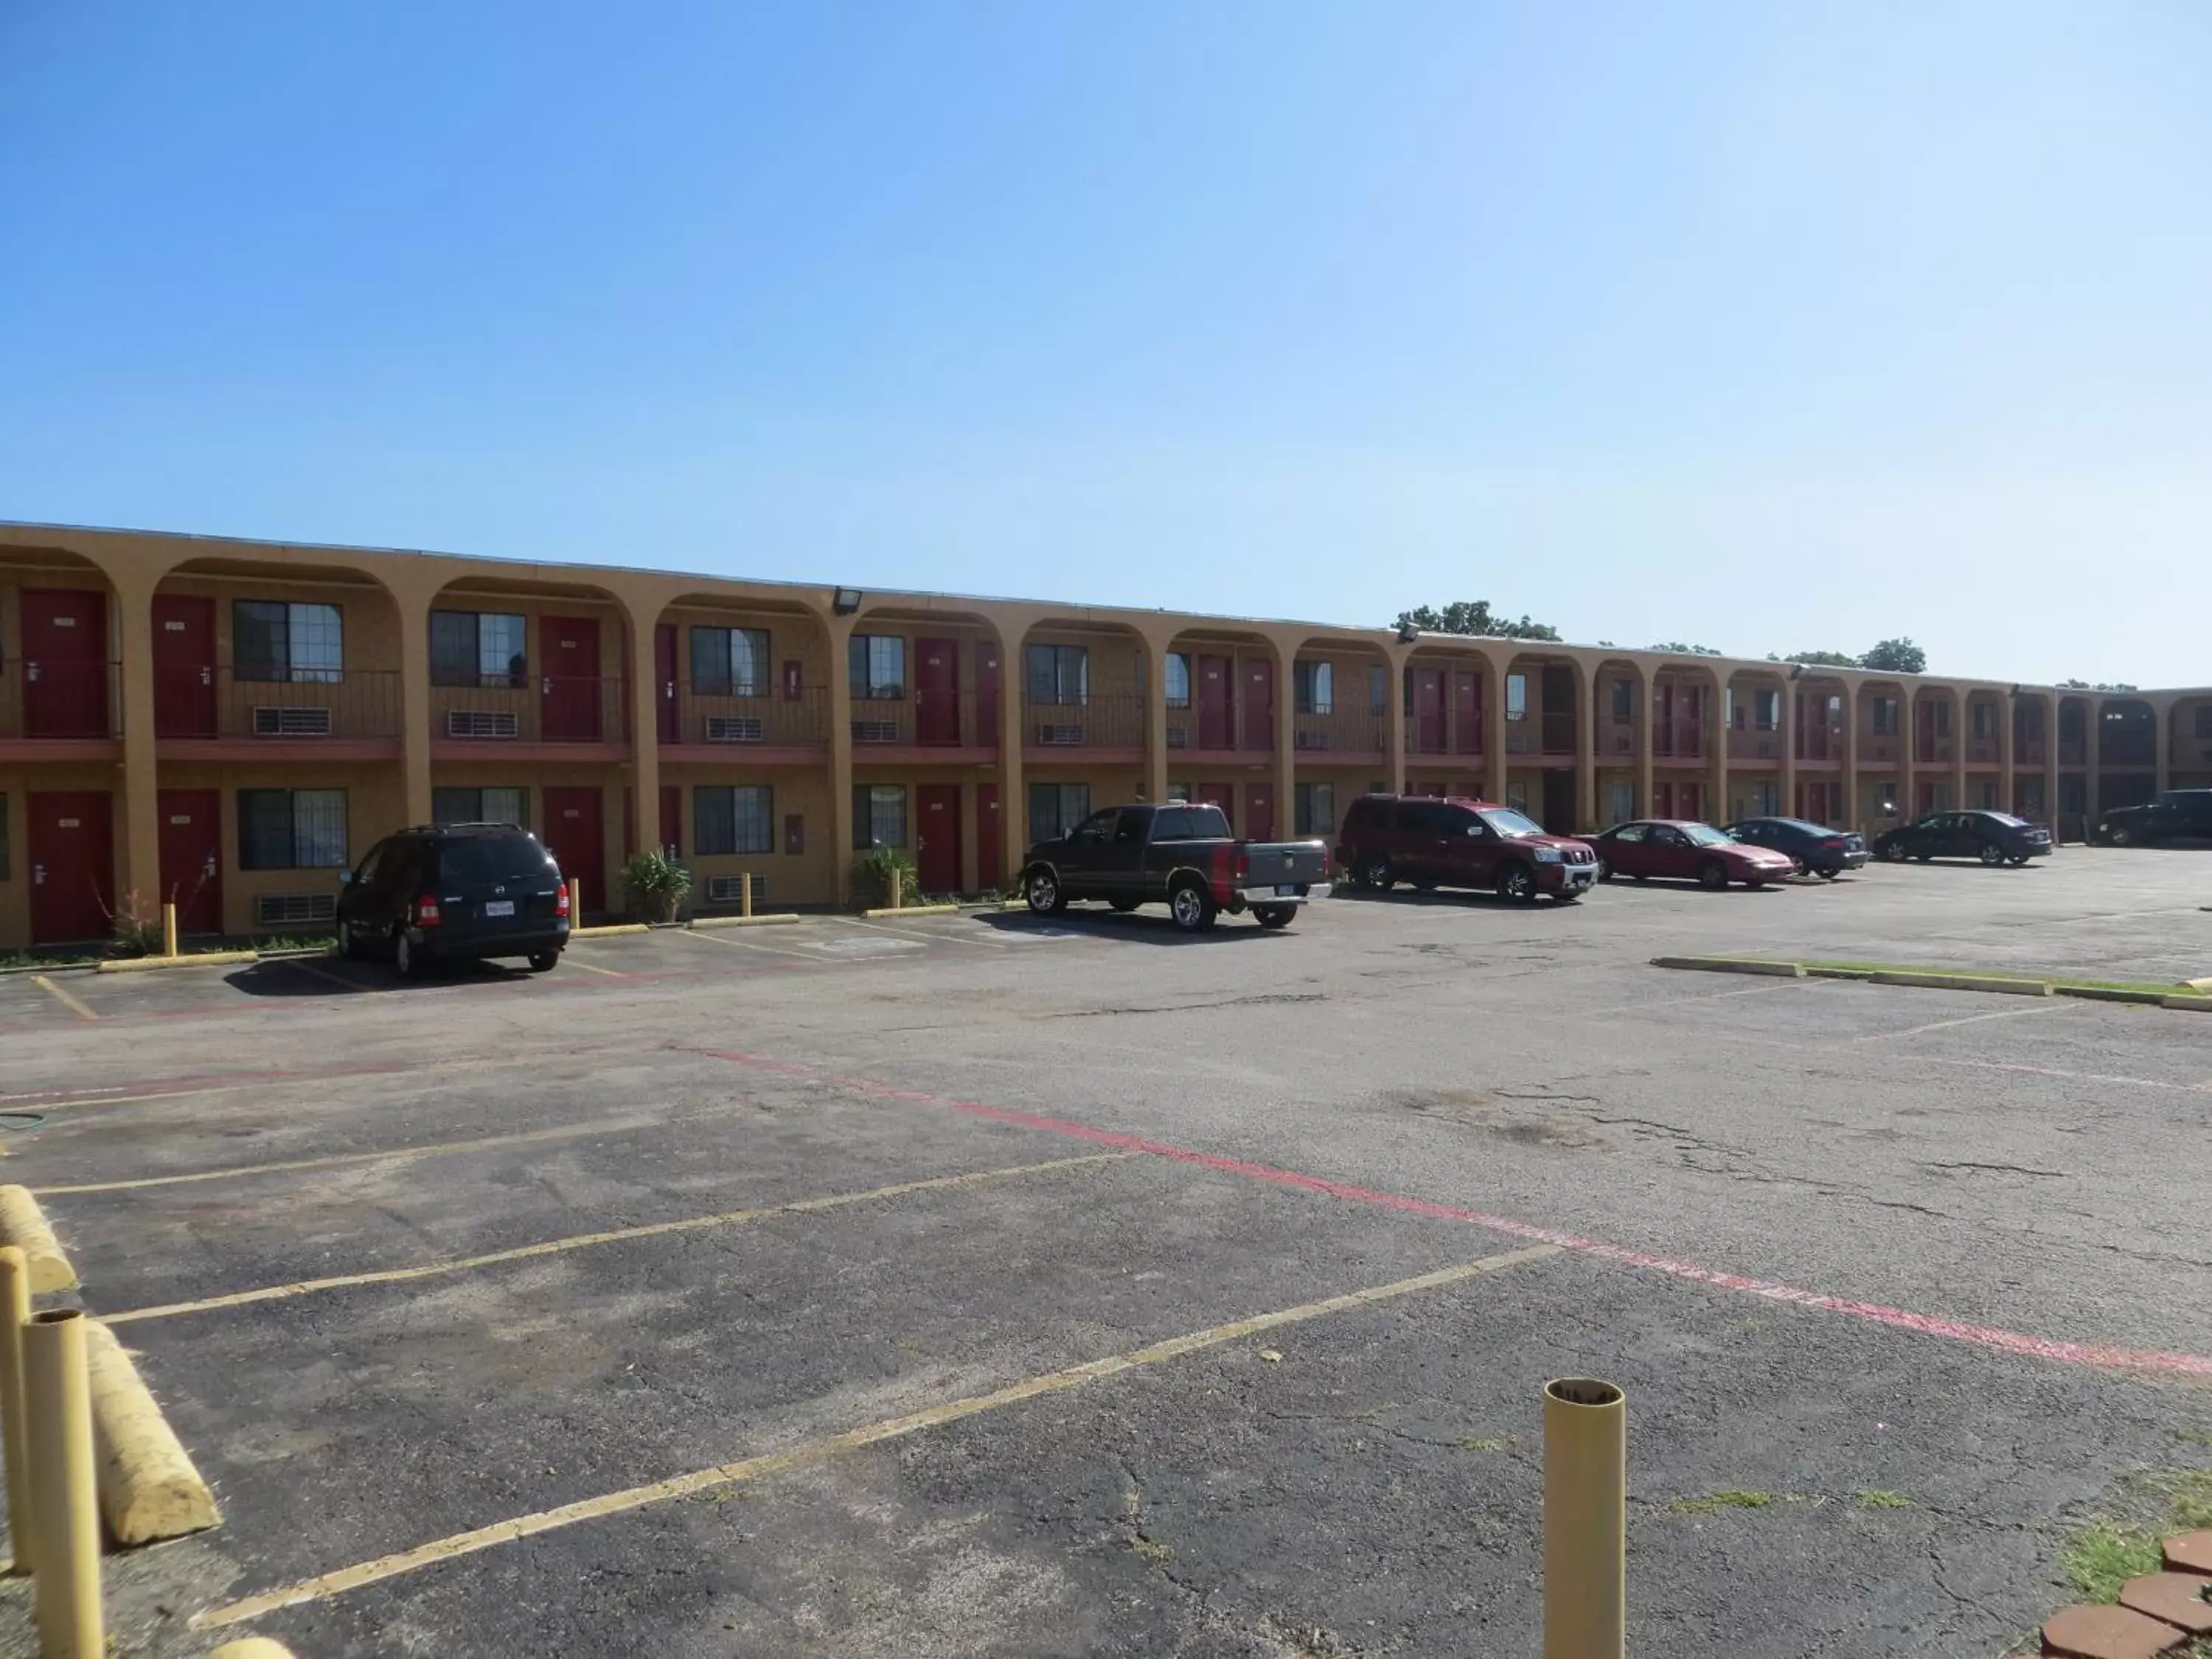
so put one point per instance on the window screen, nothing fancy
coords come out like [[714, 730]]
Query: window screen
[[729, 662], [1314, 687], [1378, 689], [1057, 808], [1315, 809], [879, 815], [1178, 679], [876, 666], [485, 649], [292, 829], [273, 641], [735, 818], [1516, 696], [1058, 673], [496, 805]]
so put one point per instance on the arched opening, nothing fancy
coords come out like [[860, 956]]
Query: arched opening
[[1620, 715], [1984, 736], [59, 660], [2127, 753], [2189, 744], [1818, 731], [1683, 716], [1340, 715], [1447, 696], [1222, 718], [1757, 736], [1543, 702], [1882, 719]]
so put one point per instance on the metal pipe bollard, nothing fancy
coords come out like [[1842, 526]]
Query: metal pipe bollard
[[168, 930], [65, 1506], [576, 901], [1585, 1519], [744, 892], [15, 1314], [897, 882]]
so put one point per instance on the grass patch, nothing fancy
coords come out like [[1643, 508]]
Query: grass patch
[[1871, 1498], [2104, 1554], [1155, 1551], [1480, 1442], [1728, 1498], [2162, 988]]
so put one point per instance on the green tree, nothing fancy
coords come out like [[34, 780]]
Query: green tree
[[2084, 685], [1474, 617], [1676, 648], [1818, 659], [1898, 656]]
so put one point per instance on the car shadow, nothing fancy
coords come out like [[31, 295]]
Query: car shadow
[[1691, 885], [1143, 926], [1458, 897], [285, 977]]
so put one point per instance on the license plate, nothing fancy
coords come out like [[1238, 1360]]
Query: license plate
[[1287, 892], [498, 907]]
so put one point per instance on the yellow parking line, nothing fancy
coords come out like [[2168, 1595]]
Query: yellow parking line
[[67, 998], [618, 1235], [392, 1155], [323, 974], [823, 1451], [589, 969]]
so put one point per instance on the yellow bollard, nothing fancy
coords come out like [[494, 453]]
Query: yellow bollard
[[168, 930], [66, 1520], [897, 882], [1585, 1519], [15, 1314], [744, 892], [576, 901]]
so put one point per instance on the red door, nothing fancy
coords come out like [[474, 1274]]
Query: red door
[[672, 820], [1258, 704], [192, 856], [183, 668], [72, 846], [1693, 738], [669, 722], [989, 833], [1260, 812], [65, 666], [937, 699], [936, 850], [1688, 799], [1218, 794], [1429, 711], [576, 835], [1216, 729], [1466, 714], [987, 713], [1662, 797], [569, 679]]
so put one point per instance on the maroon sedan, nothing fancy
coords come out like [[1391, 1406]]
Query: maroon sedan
[[1687, 852]]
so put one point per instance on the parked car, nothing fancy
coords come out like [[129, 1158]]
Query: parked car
[[2177, 814], [1817, 849], [1691, 852], [455, 893], [1181, 854], [1436, 842], [1995, 838]]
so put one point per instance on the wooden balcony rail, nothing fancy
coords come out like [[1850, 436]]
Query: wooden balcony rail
[[210, 700], [542, 708], [1110, 720], [1340, 731], [42, 697], [769, 720]]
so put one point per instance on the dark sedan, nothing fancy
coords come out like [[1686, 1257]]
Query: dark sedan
[[1995, 838], [1818, 850]]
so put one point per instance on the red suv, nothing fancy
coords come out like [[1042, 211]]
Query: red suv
[[1432, 841]]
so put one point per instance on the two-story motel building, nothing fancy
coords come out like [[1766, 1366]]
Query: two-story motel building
[[230, 724]]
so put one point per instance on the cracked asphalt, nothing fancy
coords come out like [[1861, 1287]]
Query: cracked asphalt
[[1923, 1279]]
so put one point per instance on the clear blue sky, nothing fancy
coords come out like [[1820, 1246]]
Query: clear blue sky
[[1766, 326]]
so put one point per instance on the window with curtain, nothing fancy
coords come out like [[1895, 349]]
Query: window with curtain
[[1057, 808], [1766, 710], [729, 662], [1058, 673], [879, 815], [1885, 717], [273, 641], [487, 649], [1315, 809], [495, 804], [1314, 687], [1178, 679], [876, 665], [292, 829], [1623, 701], [1516, 696], [1378, 689], [732, 819]]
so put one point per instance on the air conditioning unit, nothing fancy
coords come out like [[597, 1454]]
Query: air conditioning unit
[[294, 910], [729, 889], [1062, 737], [482, 723], [875, 732], [1178, 736], [273, 721], [735, 728]]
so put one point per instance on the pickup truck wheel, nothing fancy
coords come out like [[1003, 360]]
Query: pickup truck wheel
[[1518, 882], [1192, 907], [1374, 874], [1044, 895], [1273, 915], [1712, 875]]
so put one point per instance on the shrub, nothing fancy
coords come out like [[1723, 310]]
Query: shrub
[[657, 884], [871, 877]]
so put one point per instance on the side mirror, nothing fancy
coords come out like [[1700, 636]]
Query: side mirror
[[1474, 831]]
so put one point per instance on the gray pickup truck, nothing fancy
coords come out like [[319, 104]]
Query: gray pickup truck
[[1182, 855]]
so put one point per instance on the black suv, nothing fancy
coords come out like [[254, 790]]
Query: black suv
[[2177, 815], [457, 891]]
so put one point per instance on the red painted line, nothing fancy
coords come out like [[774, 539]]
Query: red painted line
[[1986, 1336]]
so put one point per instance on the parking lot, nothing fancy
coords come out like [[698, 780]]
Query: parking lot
[[976, 1284]]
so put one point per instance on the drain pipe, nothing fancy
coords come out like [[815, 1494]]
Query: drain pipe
[[1585, 1519]]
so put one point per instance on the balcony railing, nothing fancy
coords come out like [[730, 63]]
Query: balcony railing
[[1752, 744], [1983, 749], [1216, 730], [1820, 743], [546, 708], [1340, 731], [211, 701], [773, 720], [2071, 752], [1932, 752], [925, 720], [2028, 752], [1677, 738], [1880, 748], [42, 698], [1444, 732], [1113, 720], [1557, 728]]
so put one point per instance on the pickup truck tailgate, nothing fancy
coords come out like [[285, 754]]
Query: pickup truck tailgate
[[1283, 863]]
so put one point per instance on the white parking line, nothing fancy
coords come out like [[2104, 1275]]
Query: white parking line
[[743, 945], [911, 933]]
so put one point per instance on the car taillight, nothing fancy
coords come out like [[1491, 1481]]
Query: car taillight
[[1833, 842], [426, 912], [561, 899], [1243, 864]]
